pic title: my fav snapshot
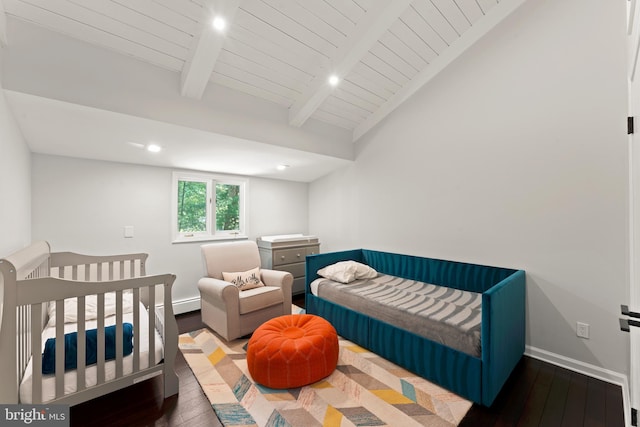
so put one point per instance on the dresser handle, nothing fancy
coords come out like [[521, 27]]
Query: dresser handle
[[298, 255], [282, 257]]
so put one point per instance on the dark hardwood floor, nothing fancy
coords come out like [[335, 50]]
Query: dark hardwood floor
[[536, 394], [142, 404]]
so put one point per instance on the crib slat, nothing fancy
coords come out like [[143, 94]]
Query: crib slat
[[119, 333], [74, 272], [22, 340], [82, 345], [36, 364], [132, 268], [110, 271], [121, 271], [152, 326], [100, 337], [136, 329], [99, 267], [87, 272], [60, 348], [38, 327], [26, 340]]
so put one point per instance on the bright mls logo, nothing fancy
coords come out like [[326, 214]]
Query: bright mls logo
[[34, 415]]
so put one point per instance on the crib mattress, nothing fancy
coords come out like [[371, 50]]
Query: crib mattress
[[445, 315], [70, 378]]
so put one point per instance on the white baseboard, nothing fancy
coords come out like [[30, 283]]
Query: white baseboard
[[186, 305], [589, 370]]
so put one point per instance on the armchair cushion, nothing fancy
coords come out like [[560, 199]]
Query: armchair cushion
[[230, 256], [259, 298], [244, 280]]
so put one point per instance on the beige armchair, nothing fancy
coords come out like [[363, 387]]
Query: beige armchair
[[229, 311]]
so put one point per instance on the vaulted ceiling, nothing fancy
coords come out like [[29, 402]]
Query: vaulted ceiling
[[283, 51]]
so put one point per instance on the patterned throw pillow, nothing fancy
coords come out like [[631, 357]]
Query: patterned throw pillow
[[244, 280]]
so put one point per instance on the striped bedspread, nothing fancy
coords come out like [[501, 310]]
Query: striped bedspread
[[445, 315]]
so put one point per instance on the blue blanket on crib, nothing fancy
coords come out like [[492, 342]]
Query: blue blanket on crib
[[91, 353]]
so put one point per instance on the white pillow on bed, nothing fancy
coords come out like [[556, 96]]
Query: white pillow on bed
[[91, 307], [347, 271]]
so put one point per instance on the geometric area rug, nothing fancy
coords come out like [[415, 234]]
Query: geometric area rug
[[364, 390]]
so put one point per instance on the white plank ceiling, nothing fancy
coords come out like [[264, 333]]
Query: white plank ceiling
[[285, 50]]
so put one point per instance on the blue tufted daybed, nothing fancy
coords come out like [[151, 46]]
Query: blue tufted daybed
[[502, 327]]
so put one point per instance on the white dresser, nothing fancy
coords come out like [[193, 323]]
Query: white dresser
[[288, 252]]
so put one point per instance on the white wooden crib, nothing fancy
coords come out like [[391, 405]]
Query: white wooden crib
[[34, 284]]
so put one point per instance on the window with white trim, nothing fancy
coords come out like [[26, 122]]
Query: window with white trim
[[207, 207]]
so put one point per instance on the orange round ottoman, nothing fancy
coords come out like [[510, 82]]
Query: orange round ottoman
[[292, 350]]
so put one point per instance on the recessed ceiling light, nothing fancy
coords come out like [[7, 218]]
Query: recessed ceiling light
[[282, 167], [333, 80], [219, 23], [154, 148]]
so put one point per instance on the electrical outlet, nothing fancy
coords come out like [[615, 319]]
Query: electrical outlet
[[582, 330]]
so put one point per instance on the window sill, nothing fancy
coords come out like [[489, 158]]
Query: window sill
[[208, 238]]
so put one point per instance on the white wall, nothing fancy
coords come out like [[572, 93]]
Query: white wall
[[15, 182], [514, 156], [82, 206]]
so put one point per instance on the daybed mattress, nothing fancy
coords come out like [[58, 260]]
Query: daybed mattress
[[445, 315], [70, 379]]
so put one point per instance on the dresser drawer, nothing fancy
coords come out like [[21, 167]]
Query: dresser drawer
[[312, 250], [296, 270], [288, 256]]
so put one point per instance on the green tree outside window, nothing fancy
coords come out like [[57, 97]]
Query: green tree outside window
[[192, 206], [227, 207]]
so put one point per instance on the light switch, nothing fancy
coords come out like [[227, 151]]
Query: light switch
[[128, 231]]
